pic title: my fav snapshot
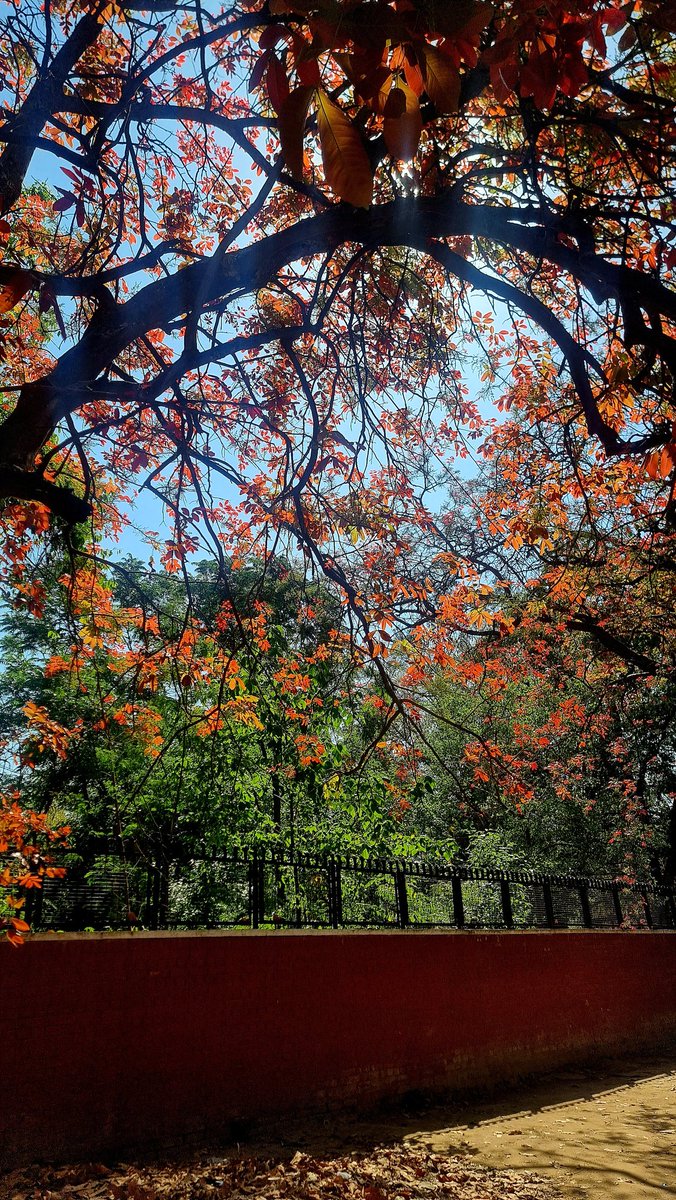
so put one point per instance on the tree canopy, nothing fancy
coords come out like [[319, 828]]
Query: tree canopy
[[384, 285]]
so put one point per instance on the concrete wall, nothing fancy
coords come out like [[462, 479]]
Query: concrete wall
[[114, 1042]]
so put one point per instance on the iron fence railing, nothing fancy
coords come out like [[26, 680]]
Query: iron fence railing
[[270, 889]]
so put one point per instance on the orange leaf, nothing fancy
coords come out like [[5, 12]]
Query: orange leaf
[[441, 78], [15, 285], [292, 118], [652, 463], [413, 73], [346, 163], [403, 122], [668, 460]]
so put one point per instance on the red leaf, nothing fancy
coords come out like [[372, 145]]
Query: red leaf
[[614, 19], [291, 124], [595, 34], [276, 83], [462, 18], [260, 67], [67, 201], [15, 285], [504, 69], [273, 34], [539, 79], [308, 72], [574, 74], [71, 175]]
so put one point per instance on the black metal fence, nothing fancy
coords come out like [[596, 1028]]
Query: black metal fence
[[269, 890]]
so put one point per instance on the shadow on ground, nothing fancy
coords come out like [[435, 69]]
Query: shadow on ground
[[608, 1130], [596, 1133]]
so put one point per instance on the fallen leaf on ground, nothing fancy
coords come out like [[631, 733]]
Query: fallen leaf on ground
[[399, 1172]]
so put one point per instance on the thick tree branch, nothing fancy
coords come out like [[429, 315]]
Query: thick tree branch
[[588, 624], [31, 485], [418, 223], [41, 103]]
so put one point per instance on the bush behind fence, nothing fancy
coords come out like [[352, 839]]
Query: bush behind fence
[[264, 890]]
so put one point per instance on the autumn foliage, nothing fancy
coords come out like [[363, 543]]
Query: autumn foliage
[[387, 286], [26, 843]]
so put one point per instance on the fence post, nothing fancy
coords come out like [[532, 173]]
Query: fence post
[[402, 898], [617, 904], [297, 909], [256, 891], [585, 906], [549, 903], [33, 906], [506, 900], [458, 906], [163, 894], [335, 894], [148, 903], [647, 909], [156, 898]]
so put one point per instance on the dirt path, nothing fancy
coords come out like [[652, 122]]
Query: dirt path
[[610, 1135], [602, 1134]]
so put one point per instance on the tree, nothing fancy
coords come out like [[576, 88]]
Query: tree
[[557, 646], [159, 749], [539, 152], [289, 239]]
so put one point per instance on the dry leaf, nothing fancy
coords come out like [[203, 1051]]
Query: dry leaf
[[346, 163], [402, 125]]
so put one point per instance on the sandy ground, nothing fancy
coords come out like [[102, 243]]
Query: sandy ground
[[605, 1133], [610, 1135]]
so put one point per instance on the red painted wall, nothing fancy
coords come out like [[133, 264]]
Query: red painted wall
[[115, 1042]]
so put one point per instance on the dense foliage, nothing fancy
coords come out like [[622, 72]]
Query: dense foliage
[[379, 294]]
